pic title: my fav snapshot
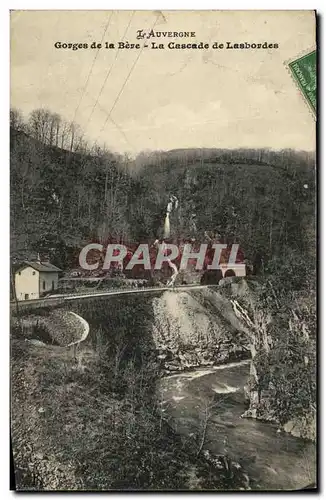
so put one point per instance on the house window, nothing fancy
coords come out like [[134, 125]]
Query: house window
[[33, 273], [19, 273], [52, 285], [43, 285]]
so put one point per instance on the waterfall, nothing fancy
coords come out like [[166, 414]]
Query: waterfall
[[167, 226], [172, 205]]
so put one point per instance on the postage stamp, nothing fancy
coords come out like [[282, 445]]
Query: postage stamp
[[305, 74]]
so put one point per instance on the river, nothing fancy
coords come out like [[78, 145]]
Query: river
[[274, 460]]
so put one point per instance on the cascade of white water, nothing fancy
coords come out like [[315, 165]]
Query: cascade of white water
[[167, 226], [172, 205]]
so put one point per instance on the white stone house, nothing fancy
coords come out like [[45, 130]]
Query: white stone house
[[34, 279]]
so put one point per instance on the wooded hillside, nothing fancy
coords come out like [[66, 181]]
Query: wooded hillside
[[64, 198]]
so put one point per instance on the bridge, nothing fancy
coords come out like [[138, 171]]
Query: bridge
[[56, 300]]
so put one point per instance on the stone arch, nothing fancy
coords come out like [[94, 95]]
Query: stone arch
[[229, 273]]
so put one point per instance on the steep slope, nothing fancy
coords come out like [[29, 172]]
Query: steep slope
[[61, 200], [91, 419]]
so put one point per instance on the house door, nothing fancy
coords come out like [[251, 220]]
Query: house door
[[26, 296], [52, 285]]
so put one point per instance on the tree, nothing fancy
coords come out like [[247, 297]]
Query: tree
[[16, 119], [39, 124]]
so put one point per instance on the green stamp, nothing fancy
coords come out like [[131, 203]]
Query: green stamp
[[305, 73]]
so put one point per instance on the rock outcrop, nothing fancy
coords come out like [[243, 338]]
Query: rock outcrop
[[283, 356], [196, 328]]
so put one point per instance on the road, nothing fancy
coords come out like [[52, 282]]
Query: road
[[57, 299]]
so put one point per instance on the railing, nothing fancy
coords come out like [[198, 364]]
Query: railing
[[62, 298]]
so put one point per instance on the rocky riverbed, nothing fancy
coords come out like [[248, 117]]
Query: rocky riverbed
[[212, 401]]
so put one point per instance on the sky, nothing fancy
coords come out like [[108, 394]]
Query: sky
[[134, 100]]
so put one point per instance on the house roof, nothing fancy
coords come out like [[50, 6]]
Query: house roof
[[42, 267]]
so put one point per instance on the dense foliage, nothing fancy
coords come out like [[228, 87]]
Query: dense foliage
[[61, 199]]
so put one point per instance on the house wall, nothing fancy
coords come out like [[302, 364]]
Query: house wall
[[48, 282], [27, 284]]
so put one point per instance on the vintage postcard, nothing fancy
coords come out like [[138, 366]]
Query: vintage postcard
[[163, 250]]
